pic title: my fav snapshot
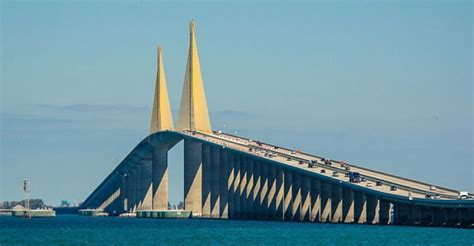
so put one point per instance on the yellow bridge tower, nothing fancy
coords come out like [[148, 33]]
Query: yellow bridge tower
[[193, 114], [161, 118]]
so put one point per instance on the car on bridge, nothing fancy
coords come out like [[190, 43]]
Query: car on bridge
[[354, 177], [433, 196]]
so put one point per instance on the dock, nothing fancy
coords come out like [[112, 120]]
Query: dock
[[164, 214]]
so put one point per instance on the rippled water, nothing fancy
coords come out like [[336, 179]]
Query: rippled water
[[70, 229]]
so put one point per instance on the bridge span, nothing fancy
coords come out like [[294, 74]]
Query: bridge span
[[224, 180], [231, 177]]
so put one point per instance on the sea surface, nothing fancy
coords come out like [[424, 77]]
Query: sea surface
[[79, 230]]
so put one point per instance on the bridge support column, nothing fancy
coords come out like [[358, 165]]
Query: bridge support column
[[402, 214], [138, 190], [326, 202], [231, 184], [243, 186], [193, 177], [384, 212], [271, 202], [133, 190], [279, 193], [215, 182], [146, 185], [237, 179], [206, 181], [123, 193], [426, 216], [452, 217], [466, 217], [360, 207], [336, 203], [250, 187], [315, 193], [129, 190], [414, 215], [296, 196], [439, 216], [347, 205], [264, 190], [372, 209], [288, 195], [448, 218], [160, 178], [256, 189], [225, 181], [306, 198]]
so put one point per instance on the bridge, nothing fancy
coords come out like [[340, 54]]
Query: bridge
[[232, 177]]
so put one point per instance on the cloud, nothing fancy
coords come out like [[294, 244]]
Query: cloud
[[94, 108]]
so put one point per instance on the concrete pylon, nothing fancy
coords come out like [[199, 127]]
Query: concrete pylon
[[161, 118], [193, 114]]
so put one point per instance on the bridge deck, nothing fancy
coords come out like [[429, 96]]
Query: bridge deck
[[405, 187]]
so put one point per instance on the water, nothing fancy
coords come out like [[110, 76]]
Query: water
[[71, 229]]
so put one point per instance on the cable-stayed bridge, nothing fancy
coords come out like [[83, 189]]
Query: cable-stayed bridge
[[231, 177]]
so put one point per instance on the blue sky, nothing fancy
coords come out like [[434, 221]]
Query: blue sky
[[386, 85]]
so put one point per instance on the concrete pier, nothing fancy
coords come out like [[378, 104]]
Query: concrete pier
[[439, 217], [256, 189], [138, 190], [296, 208], [160, 178], [215, 182], [315, 194], [336, 203], [305, 198], [193, 177], [372, 209], [224, 186], [237, 178], [250, 187], [129, 190], [279, 194], [414, 215], [384, 212], [133, 190], [263, 190], [206, 181], [123, 193], [288, 195], [426, 216], [347, 206], [360, 207], [243, 187], [231, 185], [146, 185], [271, 198], [326, 202]]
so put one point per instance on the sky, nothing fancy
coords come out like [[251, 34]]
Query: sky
[[387, 85]]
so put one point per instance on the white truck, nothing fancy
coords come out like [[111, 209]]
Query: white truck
[[463, 195]]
